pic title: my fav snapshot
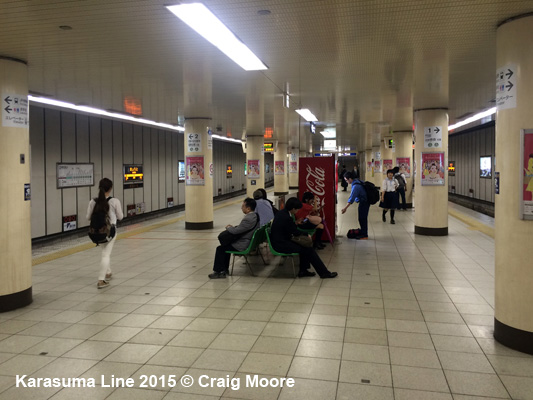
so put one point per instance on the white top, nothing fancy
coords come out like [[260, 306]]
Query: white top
[[389, 185], [115, 210]]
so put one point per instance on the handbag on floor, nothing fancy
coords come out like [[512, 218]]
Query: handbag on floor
[[303, 240]]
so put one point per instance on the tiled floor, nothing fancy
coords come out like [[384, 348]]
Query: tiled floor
[[409, 317]]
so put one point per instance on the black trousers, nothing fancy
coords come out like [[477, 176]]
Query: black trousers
[[401, 192], [308, 256], [222, 258]]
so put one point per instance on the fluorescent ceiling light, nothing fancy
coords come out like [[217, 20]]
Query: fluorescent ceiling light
[[227, 139], [205, 23], [307, 115], [330, 145], [473, 118], [329, 133], [97, 111]]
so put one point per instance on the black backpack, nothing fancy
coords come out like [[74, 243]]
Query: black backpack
[[372, 192], [100, 229], [401, 181]]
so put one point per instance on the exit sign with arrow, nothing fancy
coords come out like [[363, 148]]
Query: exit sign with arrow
[[433, 137], [14, 110]]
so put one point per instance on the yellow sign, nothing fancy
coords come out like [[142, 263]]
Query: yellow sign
[[269, 147]]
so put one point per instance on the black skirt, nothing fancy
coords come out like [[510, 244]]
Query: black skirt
[[390, 201]]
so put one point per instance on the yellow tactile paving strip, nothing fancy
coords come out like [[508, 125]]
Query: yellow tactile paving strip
[[86, 246], [472, 222]]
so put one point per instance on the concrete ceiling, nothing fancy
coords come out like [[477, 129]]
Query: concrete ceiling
[[352, 62]]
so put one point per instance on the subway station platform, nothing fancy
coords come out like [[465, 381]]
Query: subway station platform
[[409, 317]]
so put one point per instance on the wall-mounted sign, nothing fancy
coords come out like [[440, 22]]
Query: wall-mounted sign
[[312, 127], [377, 166], [194, 142], [133, 176], [181, 171], [432, 168], [14, 110], [268, 147], [132, 105], [209, 139], [451, 168], [433, 137], [140, 208], [74, 175], [387, 164], [485, 167], [170, 201], [131, 210], [506, 87], [526, 174], [293, 167], [194, 171], [69, 223], [496, 183], [27, 192], [268, 133], [229, 171]]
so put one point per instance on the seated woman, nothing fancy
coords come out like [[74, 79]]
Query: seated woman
[[283, 229], [308, 217]]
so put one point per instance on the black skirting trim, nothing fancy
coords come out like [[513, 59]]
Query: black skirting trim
[[419, 230], [280, 193], [293, 187], [9, 302], [513, 338], [197, 226], [409, 205]]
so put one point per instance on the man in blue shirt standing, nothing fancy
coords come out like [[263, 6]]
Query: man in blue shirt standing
[[358, 195]]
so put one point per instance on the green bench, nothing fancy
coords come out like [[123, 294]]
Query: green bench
[[257, 238], [277, 253]]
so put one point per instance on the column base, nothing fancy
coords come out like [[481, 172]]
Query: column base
[[293, 187], [419, 230], [280, 193], [513, 338], [9, 302], [198, 226]]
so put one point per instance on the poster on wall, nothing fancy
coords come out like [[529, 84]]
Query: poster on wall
[[253, 169], [293, 167], [69, 223], [485, 167], [377, 166], [279, 168], [387, 164], [404, 163], [451, 168], [181, 171], [194, 171], [229, 171], [526, 209], [369, 166], [432, 167], [74, 175]]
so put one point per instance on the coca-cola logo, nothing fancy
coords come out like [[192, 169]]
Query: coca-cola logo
[[315, 180]]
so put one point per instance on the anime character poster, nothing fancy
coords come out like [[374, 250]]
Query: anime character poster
[[279, 168], [432, 168], [387, 164], [369, 166], [194, 171], [527, 174], [377, 166], [253, 169], [404, 163], [293, 167]]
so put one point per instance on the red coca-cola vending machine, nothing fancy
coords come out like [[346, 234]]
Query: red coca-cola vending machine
[[317, 175]]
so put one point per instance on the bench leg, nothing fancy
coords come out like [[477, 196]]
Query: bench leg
[[293, 268], [261, 254], [249, 266], [232, 264]]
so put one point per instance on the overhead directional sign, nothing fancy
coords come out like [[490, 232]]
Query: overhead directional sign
[[506, 87], [14, 110], [433, 137], [194, 142]]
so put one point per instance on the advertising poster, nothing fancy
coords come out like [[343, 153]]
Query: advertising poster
[[369, 166], [194, 171], [293, 167], [404, 163], [69, 223], [432, 168], [485, 167], [253, 169], [527, 176], [387, 164], [377, 166], [181, 171], [279, 168]]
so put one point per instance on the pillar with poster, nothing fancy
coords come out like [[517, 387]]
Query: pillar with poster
[[317, 175]]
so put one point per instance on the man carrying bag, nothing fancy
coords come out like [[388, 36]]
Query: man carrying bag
[[236, 238]]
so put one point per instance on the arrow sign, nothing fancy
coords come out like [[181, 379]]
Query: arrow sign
[[7, 109], [191, 136], [8, 100], [437, 130], [509, 86], [509, 73]]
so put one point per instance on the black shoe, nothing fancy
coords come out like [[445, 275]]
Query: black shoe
[[361, 237], [305, 273], [392, 222], [384, 218], [217, 275], [318, 246], [329, 275]]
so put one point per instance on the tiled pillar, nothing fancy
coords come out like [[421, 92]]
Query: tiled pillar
[[293, 169], [403, 158], [281, 180], [15, 192], [513, 234]]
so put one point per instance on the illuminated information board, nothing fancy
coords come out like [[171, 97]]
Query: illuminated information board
[[133, 176]]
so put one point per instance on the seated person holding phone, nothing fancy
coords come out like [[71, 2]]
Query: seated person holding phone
[[308, 217]]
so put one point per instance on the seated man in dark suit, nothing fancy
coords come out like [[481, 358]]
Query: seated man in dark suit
[[245, 229], [283, 229]]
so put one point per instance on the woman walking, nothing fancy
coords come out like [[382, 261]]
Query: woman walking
[[389, 196], [107, 205]]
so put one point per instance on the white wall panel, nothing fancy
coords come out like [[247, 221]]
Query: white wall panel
[[37, 160], [118, 170], [162, 170], [155, 168], [68, 155], [82, 156], [95, 151], [127, 154], [174, 167], [181, 157], [52, 127], [168, 166], [138, 193], [147, 166]]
